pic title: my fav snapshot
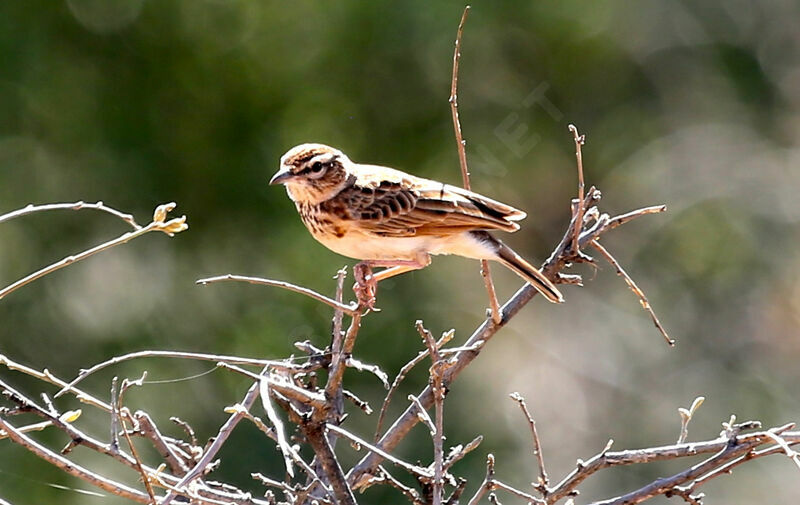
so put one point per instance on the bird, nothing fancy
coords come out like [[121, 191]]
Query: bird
[[388, 218]]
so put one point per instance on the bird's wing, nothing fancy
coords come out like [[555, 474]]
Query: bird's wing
[[392, 203]]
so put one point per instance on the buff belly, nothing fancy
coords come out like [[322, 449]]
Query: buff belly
[[370, 247]]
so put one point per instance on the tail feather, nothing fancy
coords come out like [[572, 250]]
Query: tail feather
[[521, 267]]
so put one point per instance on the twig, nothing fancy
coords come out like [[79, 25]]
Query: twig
[[338, 315], [543, 480], [579, 141], [412, 469], [63, 422], [740, 444], [350, 309], [402, 375], [114, 415], [411, 494], [459, 451], [77, 437], [333, 388], [186, 427], [462, 159], [496, 484], [283, 386], [457, 492], [423, 415], [48, 377], [71, 468], [629, 216], [283, 445], [166, 354], [30, 209], [375, 370], [358, 402], [633, 287], [288, 491], [437, 384], [485, 485], [169, 227], [118, 407], [148, 428], [462, 156]]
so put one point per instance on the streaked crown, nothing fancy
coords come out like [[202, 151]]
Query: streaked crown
[[312, 172]]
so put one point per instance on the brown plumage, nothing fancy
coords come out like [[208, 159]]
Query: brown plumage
[[390, 218]]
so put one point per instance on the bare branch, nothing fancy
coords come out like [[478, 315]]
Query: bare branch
[[347, 309], [148, 428], [169, 227], [630, 216], [46, 376], [411, 494], [436, 372], [30, 209], [71, 468], [413, 469], [633, 287], [485, 485], [726, 449], [543, 481], [494, 306], [118, 405], [333, 387], [579, 141], [283, 444], [459, 451], [166, 354]]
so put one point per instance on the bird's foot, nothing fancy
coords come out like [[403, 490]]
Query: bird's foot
[[366, 286]]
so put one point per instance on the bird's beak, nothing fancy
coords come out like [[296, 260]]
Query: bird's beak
[[281, 177]]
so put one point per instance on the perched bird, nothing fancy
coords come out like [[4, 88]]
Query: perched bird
[[389, 218]]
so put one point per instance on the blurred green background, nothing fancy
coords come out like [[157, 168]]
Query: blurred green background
[[138, 103]]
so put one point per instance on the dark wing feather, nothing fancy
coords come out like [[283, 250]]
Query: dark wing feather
[[391, 203]]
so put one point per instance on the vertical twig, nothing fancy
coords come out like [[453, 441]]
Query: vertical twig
[[462, 155], [579, 141], [462, 159], [338, 357], [333, 388], [114, 416], [438, 397], [338, 314], [401, 375], [544, 481], [486, 485], [145, 477]]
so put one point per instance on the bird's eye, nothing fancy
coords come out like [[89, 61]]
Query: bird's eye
[[316, 167]]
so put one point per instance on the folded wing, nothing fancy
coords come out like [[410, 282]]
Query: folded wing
[[391, 203]]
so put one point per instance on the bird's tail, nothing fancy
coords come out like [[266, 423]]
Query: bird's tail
[[521, 267]]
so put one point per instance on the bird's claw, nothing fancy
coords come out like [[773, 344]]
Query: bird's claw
[[366, 287]]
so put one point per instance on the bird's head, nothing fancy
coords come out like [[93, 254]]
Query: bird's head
[[312, 172]]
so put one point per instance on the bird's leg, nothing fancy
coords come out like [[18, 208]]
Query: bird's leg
[[366, 286]]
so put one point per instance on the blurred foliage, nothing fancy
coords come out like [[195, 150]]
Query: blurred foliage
[[137, 103]]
